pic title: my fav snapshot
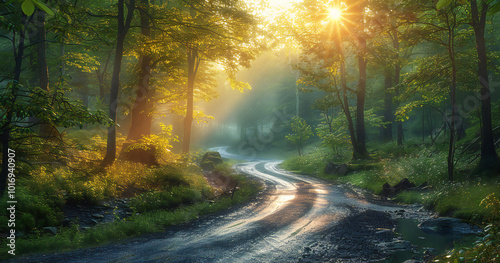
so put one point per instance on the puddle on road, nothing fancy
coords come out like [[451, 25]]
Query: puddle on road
[[437, 244]]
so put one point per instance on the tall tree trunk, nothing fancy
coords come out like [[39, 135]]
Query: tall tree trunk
[[141, 112], [388, 114], [345, 100], [193, 64], [489, 158], [38, 38], [143, 107], [451, 53], [361, 91], [123, 27], [6, 129], [397, 74]]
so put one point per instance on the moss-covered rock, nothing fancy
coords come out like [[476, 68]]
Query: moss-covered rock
[[210, 160]]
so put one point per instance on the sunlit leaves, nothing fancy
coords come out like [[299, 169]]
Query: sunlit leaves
[[82, 61], [238, 85]]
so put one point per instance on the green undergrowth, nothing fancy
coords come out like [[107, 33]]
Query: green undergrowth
[[51, 177], [155, 216], [470, 197], [460, 198]]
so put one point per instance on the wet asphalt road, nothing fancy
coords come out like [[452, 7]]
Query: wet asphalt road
[[291, 215]]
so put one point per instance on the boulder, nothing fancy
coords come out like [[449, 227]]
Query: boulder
[[210, 160], [388, 190], [403, 185], [336, 169], [448, 226]]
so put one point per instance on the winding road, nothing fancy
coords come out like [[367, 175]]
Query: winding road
[[294, 219]]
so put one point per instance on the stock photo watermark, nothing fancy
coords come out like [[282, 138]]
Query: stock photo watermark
[[11, 202]]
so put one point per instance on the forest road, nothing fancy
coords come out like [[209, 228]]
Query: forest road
[[294, 219]]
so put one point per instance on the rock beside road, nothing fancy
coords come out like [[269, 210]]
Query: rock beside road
[[403, 185], [210, 160], [336, 169]]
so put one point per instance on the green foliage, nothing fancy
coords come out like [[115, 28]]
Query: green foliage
[[312, 163], [461, 198], [334, 133], [167, 199], [148, 222], [33, 211], [301, 132]]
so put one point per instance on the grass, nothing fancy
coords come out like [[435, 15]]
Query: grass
[[460, 198], [468, 197], [168, 194], [148, 222]]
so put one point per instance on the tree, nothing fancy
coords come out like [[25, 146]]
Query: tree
[[389, 21], [215, 32], [358, 11], [124, 21], [19, 101], [490, 160], [20, 27], [323, 64], [301, 133], [143, 107]]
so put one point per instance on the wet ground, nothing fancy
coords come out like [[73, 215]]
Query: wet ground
[[294, 219]]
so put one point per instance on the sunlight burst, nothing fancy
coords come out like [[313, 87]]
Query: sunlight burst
[[334, 13]]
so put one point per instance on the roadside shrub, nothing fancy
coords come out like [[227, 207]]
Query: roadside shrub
[[486, 249]]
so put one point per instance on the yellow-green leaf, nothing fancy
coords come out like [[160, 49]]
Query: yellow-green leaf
[[43, 7], [28, 7]]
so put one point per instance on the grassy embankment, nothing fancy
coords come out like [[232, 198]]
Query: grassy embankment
[[172, 193], [469, 197]]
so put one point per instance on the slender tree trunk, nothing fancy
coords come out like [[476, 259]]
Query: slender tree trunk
[[38, 37], [361, 92], [141, 112], [397, 74], [451, 146], [142, 118], [388, 112], [345, 99], [123, 26], [193, 64], [489, 158], [6, 129]]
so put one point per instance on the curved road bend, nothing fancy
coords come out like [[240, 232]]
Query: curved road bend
[[289, 215]]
